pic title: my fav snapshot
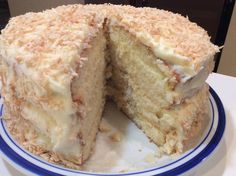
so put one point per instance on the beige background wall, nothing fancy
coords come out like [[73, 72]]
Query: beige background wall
[[18, 7], [227, 64]]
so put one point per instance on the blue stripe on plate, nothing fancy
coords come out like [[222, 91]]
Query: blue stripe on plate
[[178, 170], [1, 108]]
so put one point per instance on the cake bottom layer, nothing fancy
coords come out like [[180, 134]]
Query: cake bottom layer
[[177, 127], [23, 132]]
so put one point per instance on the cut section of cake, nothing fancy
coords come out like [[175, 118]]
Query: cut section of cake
[[160, 63], [143, 91], [57, 66]]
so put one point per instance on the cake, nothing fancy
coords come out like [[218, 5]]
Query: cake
[[58, 66]]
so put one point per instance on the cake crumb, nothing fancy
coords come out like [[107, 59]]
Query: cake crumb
[[104, 126], [159, 153], [150, 158], [116, 136], [123, 170]]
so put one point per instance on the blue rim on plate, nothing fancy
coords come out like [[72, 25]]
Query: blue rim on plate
[[23, 163]]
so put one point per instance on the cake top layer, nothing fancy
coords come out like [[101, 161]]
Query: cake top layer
[[51, 41], [184, 37], [47, 44], [172, 37]]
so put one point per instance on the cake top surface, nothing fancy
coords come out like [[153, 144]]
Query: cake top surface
[[51, 41]]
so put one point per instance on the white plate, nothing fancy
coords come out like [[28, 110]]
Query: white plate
[[133, 155]]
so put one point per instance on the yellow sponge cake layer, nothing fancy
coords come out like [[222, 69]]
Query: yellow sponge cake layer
[[142, 88]]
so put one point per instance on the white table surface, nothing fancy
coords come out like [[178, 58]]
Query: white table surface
[[223, 161]]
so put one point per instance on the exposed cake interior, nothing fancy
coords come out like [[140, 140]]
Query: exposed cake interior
[[89, 94], [144, 92]]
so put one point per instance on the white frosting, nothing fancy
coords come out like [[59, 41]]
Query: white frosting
[[57, 127], [192, 84], [162, 50]]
